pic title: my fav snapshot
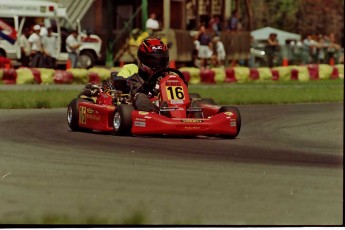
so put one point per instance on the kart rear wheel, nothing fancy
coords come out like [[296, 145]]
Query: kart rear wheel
[[122, 120], [205, 101], [194, 95], [238, 120]]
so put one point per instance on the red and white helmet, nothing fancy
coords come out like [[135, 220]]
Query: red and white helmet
[[153, 55]]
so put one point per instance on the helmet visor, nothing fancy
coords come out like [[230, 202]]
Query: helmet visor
[[157, 63]]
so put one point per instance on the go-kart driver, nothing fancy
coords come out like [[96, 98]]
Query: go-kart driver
[[153, 55]]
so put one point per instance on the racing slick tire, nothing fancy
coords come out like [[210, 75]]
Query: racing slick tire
[[73, 115], [196, 103], [208, 101], [238, 120], [122, 120]]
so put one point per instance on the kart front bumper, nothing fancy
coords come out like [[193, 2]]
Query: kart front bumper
[[145, 123]]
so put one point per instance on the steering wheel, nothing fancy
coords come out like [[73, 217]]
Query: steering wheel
[[154, 77]]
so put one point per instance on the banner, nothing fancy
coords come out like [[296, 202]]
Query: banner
[[8, 32]]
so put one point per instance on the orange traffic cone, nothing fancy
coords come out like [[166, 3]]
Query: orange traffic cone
[[331, 61], [68, 64], [285, 62]]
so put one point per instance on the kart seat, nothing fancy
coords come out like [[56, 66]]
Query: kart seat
[[120, 83]]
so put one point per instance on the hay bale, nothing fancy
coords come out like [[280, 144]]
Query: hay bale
[[103, 73], [265, 74], [325, 71], [194, 74], [80, 76], [340, 68], [25, 76], [284, 72], [242, 74], [47, 75], [219, 74]]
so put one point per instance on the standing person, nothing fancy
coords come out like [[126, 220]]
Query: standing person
[[204, 51], [36, 47], [25, 48], [215, 25], [72, 47], [271, 48], [307, 43], [321, 54], [332, 50], [50, 49], [219, 52], [152, 25], [233, 21]]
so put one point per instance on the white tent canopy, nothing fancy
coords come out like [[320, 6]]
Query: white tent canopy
[[282, 36]]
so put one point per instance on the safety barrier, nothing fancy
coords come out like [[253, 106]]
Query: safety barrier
[[192, 75]]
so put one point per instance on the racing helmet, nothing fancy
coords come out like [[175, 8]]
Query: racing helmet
[[153, 55]]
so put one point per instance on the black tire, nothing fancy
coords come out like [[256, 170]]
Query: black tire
[[122, 119], [87, 59], [73, 116], [208, 101], [238, 121]]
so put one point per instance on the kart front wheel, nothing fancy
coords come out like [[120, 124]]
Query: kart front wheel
[[234, 110], [122, 120], [72, 115]]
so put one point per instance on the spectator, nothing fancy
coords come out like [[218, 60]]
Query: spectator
[[72, 47], [332, 50], [204, 51], [306, 50], [215, 25], [43, 30], [36, 47], [271, 48], [152, 25], [50, 49], [219, 52], [233, 21], [313, 49], [321, 53], [25, 48], [251, 61]]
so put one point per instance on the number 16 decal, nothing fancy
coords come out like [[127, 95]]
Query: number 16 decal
[[175, 92]]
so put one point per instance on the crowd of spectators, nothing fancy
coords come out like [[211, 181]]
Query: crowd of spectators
[[39, 47]]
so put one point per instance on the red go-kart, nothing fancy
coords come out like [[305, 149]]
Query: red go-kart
[[178, 112]]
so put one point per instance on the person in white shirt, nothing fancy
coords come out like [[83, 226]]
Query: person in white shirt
[[72, 47], [25, 48], [50, 49], [152, 24], [36, 47]]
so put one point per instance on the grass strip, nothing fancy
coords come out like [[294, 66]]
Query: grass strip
[[255, 92]]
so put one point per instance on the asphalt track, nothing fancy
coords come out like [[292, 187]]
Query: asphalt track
[[285, 168]]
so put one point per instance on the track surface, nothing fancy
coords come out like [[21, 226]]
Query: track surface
[[285, 168]]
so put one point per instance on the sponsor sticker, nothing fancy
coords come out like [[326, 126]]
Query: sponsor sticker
[[139, 123], [192, 121], [175, 102], [143, 113], [229, 113], [90, 110], [232, 123]]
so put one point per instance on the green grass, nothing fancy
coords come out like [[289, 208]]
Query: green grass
[[273, 92], [231, 94]]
